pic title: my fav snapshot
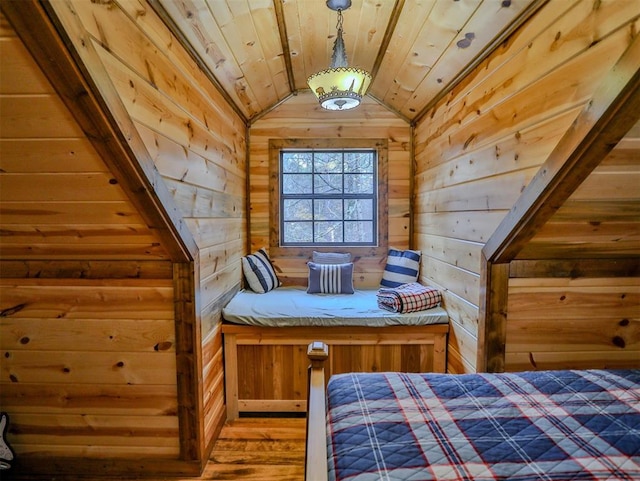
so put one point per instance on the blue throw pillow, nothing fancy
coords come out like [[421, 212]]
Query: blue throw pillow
[[330, 278], [402, 268], [259, 273]]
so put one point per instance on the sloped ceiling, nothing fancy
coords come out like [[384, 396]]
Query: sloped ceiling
[[260, 52]]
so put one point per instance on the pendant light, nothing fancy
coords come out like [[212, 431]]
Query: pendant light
[[339, 87]]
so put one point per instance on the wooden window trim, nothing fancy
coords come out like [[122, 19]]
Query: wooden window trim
[[276, 145]]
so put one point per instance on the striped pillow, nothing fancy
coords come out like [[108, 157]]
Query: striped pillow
[[330, 278], [259, 272], [402, 268]]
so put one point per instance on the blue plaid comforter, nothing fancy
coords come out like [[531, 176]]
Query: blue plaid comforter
[[547, 425]]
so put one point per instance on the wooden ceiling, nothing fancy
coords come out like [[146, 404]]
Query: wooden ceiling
[[260, 52]]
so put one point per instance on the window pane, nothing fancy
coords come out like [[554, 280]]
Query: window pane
[[327, 195], [358, 231], [358, 209], [327, 183], [328, 162], [328, 232], [327, 209], [361, 162], [296, 162], [296, 183], [298, 232], [358, 183], [297, 209]]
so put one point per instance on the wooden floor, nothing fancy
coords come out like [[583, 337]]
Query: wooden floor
[[248, 449], [260, 449]]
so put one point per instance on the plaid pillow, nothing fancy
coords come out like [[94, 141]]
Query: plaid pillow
[[259, 272], [402, 268], [330, 278]]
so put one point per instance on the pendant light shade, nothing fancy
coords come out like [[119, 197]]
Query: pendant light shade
[[339, 87]]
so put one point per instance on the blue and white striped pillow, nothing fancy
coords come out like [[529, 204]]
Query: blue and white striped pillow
[[402, 268], [259, 273], [330, 278]]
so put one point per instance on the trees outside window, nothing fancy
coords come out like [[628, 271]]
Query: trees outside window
[[328, 197]]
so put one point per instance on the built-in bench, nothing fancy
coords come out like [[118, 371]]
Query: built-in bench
[[266, 338]]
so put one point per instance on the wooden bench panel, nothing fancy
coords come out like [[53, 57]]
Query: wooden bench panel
[[266, 367]]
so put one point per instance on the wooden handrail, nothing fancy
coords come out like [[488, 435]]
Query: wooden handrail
[[315, 468]]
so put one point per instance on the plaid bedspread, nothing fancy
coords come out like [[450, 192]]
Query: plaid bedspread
[[547, 425], [408, 297]]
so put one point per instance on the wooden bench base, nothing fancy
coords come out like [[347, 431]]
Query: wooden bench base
[[266, 367]]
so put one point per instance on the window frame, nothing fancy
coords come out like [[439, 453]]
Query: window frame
[[275, 148], [342, 197]]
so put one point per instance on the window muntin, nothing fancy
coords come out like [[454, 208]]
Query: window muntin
[[328, 197]]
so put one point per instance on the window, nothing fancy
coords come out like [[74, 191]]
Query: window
[[329, 193], [328, 198]]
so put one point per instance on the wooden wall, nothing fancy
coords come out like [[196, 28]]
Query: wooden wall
[[86, 293], [198, 145], [104, 295], [301, 117], [580, 306], [478, 148]]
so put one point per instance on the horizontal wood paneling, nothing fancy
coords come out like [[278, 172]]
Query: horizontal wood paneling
[[89, 364], [126, 326], [560, 323], [301, 117], [104, 399], [197, 143], [602, 217], [479, 147], [58, 197]]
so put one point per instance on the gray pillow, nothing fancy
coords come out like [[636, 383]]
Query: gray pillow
[[330, 278], [331, 257]]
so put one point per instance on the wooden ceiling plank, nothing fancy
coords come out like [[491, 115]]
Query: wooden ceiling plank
[[410, 19], [156, 33], [388, 36], [613, 110], [442, 26], [117, 32], [486, 51], [284, 42], [247, 45], [290, 17], [374, 27], [206, 53], [264, 18]]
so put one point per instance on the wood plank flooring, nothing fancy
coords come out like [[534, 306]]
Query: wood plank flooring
[[260, 449], [248, 449]]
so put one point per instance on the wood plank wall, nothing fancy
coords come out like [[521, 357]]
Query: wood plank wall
[[300, 117], [198, 144], [578, 314], [479, 146], [88, 364], [86, 292]]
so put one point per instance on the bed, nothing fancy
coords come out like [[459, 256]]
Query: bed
[[545, 425], [266, 338]]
